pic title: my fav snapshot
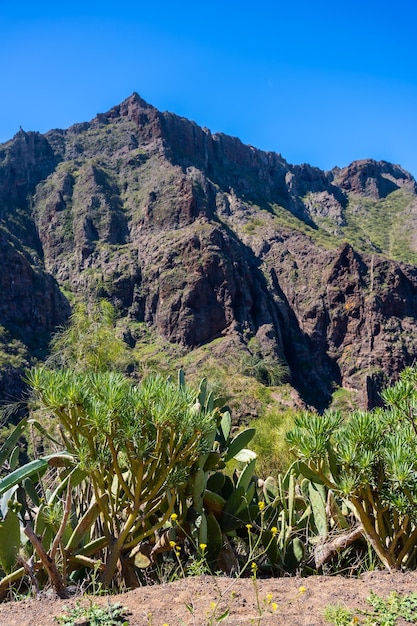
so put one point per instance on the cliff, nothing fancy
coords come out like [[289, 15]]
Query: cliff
[[204, 239]]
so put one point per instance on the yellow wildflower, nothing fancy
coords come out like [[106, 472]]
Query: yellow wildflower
[[248, 526], [253, 566], [269, 597], [274, 606], [203, 547], [274, 530], [172, 544], [261, 505], [302, 589], [174, 517]]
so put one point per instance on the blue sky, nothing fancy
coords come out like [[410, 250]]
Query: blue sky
[[320, 82]]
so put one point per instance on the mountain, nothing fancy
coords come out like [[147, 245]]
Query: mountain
[[207, 246]]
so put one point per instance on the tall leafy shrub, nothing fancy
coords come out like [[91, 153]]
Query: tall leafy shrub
[[136, 443], [370, 459]]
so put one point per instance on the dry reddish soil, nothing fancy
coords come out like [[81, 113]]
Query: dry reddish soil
[[280, 599]]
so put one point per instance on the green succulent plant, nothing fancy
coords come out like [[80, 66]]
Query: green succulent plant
[[369, 458]]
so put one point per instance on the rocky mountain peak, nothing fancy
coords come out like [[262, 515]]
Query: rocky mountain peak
[[209, 242], [375, 179], [132, 108]]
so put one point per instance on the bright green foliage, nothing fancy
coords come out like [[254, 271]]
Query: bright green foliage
[[266, 370], [384, 225], [370, 459], [95, 615], [339, 615], [91, 343], [9, 540], [296, 518], [11, 440], [136, 443], [269, 443], [388, 610], [219, 504], [19, 499], [281, 516], [283, 521], [385, 611]]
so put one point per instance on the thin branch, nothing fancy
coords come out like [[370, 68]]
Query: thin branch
[[50, 566], [61, 529]]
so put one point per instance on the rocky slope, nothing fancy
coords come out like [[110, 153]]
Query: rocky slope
[[207, 240]]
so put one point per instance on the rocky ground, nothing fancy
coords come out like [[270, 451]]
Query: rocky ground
[[199, 601]]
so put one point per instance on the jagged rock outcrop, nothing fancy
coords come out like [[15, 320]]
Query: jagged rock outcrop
[[202, 237]]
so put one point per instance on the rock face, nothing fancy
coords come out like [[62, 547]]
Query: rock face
[[202, 237], [31, 305]]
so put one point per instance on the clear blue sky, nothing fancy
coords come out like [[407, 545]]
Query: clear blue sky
[[320, 82]]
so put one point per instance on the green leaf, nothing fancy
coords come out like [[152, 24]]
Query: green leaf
[[201, 525], [211, 461], [9, 541], [294, 554], [44, 431], [43, 528], [245, 516], [14, 458], [246, 475], [4, 500], [239, 442], [181, 378], [12, 440], [84, 526], [223, 616], [270, 489], [216, 481], [199, 486], [214, 539], [38, 466], [318, 504], [245, 456], [334, 467], [303, 469], [202, 392], [244, 513], [293, 469], [76, 476], [93, 547], [226, 424], [30, 489], [209, 405], [236, 501]]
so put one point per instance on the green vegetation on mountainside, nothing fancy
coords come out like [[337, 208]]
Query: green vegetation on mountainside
[[13, 353], [284, 218], [224, 363], [384, 226]]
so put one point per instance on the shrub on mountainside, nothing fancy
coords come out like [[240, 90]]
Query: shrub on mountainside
[[369, 459], [265, 369]]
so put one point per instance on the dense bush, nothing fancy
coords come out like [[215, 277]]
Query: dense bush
[[369, 459]]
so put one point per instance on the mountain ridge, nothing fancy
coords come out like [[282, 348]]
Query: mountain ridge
[[202, 238]]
